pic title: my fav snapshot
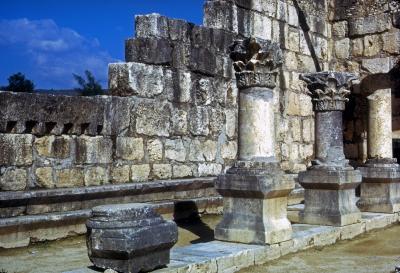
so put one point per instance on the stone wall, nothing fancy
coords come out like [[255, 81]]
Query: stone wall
[[172, 112], [367, 42]]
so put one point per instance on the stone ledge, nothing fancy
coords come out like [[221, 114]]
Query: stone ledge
[[22, 230], [219, 256], [13, 203]]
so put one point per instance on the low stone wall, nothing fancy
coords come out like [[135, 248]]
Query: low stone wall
[[49, 141]]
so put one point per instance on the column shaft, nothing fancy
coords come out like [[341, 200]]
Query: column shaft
[[380, 124], [256, 124]]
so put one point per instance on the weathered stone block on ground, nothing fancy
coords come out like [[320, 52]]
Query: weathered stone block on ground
[[129, 238]]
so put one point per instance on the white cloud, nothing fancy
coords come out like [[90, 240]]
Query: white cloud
[[55, 52]]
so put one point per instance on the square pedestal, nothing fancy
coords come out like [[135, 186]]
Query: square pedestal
[[380, 189], [329, 197], [255, 206]]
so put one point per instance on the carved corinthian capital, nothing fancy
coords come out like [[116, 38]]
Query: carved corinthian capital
[[329, 90], [255, 62]]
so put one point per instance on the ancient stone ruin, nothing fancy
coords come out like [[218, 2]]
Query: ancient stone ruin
[[281, 115]]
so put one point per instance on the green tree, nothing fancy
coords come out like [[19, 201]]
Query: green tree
[[18, 83], [89, 86]]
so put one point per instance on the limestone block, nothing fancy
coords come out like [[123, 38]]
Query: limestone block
[[293, 104], [155, 149], [120, 174], [255, 202], [306, 63], [129, 148], [357, 47], [175, 150], [308, 130], [15, 149], [92, 150], [217, 121], [292, 40], [351, 231], [152, 25], [44, 177], [294, 152], [162, 171], [231, 123], [377, 220], [13, 179], [153, 118], [376, 65], [342, 48], [391, 42], [369, 24], [53, 146], [281, 11], [202, 150], [144, 238], [140, 173], [337, 186], [181, 171], [340, 29], [229, 150], [156, 51], [304, 47], [126, 79], [68, 178], [291, 62], [267, 253], [199, 121], [261, 26], [185, 86], [203, 60], [372, 45], [95, 176], [179, 122], [295, 128], [209, 169], [220, 15], [293, 18]]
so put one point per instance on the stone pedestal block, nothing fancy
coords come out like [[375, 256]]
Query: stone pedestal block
[[330, 183], [380, 190], [129, 238], [330, 196], [255, 204]]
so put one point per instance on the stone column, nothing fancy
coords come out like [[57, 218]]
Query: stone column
[[330, 182], [380, 190], [255, 189]]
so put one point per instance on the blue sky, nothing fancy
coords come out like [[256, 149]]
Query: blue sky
[[48, 40]]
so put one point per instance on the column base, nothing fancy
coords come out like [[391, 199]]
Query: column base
[[329, 197], [380, 189], [255, 204]]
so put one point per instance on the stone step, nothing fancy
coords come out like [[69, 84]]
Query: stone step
[[20, 231]]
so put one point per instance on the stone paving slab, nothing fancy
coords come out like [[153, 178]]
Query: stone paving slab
[[217, 256]]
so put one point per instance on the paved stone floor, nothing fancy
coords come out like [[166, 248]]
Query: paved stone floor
[[376, 251]]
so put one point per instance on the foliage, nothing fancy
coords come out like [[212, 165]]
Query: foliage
[[89, 86], [18, 83]]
